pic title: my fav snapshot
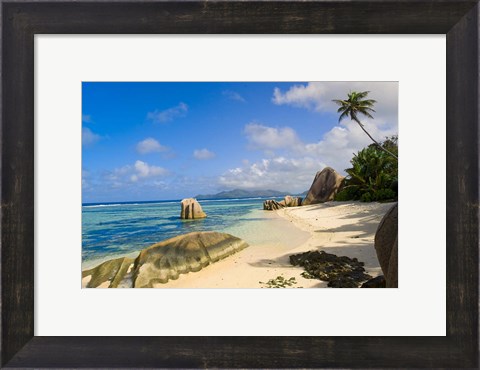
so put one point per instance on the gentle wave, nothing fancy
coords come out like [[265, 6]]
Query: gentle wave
[[128, 204], [103, 205], [111, 228], [234, 199], [174, 202]]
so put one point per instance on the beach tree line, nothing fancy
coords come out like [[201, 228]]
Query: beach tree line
[[374, 172], [373, 175]]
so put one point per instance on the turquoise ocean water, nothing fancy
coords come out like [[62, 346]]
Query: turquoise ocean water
[[116, 229]]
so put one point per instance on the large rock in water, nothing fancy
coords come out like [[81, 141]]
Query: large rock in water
[[182, 254], [110, 274], [386, 246], [324, 187], [191, 209]]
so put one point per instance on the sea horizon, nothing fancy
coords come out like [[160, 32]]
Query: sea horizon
[[115, 229], [133, 202]]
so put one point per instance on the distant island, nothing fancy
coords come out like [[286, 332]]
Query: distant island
[[239, 193]]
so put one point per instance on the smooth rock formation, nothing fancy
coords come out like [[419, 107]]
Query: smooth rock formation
[[386, 246], [191, 209], [392, 278], [272, 205], [376, 282], [110, 274], [182, 254], [163, 261], [324, 187], [292, 201], [288, 201]]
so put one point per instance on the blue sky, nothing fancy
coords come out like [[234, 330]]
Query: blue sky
[[155, 141]]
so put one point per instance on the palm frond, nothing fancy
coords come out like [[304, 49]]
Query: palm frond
[[361, 95], [343, 115], [369, 102], [365, 113], [364, 107], [340, 102]]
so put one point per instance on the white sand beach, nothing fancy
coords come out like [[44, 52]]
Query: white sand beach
[[341, 228]]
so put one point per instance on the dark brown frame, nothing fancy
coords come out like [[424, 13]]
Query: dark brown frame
[[459, 20]]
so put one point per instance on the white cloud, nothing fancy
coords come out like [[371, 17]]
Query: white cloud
[[280, 173], [233, 95], [338, 145], [203, 154], [145, 170], [86, 118], [169, 114], [265, 137], [294, 172], [132, 173], [85, 182], [304, 96], [89, 137], [318, 96], [150, 145]]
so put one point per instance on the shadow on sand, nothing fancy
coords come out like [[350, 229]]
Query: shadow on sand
[[365, 224], [356, 250]]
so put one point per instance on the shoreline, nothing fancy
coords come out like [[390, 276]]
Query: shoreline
[[259, 228], [341, 228], [261, 261]]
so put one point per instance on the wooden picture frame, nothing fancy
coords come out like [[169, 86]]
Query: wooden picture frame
[[459, 20]]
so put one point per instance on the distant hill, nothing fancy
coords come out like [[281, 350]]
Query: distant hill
[[239, 193]]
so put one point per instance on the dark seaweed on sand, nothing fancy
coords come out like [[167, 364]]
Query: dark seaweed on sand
[[340, 272]]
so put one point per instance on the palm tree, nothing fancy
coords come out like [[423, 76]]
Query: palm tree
[[354, 106]]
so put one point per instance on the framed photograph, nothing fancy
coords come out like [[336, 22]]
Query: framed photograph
[[179, 207], [173, 159]]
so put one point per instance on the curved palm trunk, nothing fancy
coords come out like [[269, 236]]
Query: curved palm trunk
[[370, 136]]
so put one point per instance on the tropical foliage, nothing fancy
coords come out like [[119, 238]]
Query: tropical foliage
[[373, 175], [356, 105]]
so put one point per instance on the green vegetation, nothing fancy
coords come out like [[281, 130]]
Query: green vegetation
[[355, 105], [279, 282], [373, 175], [307, 275]]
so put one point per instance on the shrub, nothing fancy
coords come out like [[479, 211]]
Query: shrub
[[373, 175], [346, 194]]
